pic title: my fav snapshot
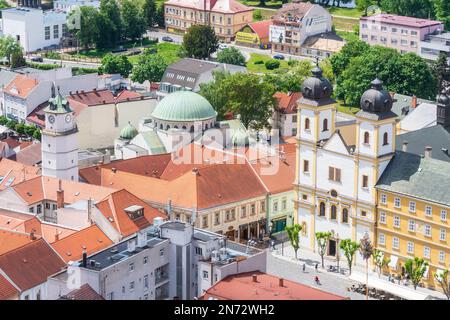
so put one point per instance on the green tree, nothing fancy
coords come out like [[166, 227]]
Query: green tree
[[89, 33], [257, 16], [149, 67], [366, 251], [17, 59], [11, 124], [416, 268], [37, 134], [442, 11], [293, 234], [200, 41], [231, 56], [29, 130], [3, 120], [213, 92], [363, 5], [442, 279], [380, 261], [322, 244], [9, 47], [133, 20], [349, 247], [20, 128], [341, 60], [159, 19], [291, 80], [412, 8], [150, 12], [441, 71], [116, 64], [110, 23]]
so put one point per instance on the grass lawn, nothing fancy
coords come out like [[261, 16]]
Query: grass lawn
[[265, 14], [261, 68], [167, 50], [269, 4], [347, 109], [346, 12], [347, 35]]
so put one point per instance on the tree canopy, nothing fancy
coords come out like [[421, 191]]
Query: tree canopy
[[133, 19], [200, 41], [231, 56], [10, 48], [116, 64], [149, 67]]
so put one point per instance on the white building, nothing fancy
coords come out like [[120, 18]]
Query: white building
[[337, 169], [294, 23], [59, 141], [434, 44], [68, 5], [34, 28], [164, 261]]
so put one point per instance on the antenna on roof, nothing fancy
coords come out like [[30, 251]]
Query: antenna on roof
[[53, 89]]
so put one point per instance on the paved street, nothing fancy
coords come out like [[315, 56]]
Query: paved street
[[73, 64]]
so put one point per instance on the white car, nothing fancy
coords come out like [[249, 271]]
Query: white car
[[222, 46]]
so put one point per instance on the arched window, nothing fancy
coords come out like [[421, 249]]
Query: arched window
[[206, 127], [307, 124], [366, 137], [176, 127], [385, 139], [322, 209], [184, 128], [325, 125], [161, 126], [345, 215], [192, 129], [167, 127], [333, 212]]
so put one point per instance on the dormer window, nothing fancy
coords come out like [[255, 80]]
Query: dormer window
[[135, 212]]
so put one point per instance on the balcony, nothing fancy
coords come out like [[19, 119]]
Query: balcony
[[161, 277]]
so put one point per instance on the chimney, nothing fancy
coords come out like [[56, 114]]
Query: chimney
[[114, 170], [255, 278], [60, 196], [428, 150], [32, 236], [281, 282], [84, 259], [405, 146], [56, 235], [414, 102], [195, 171]]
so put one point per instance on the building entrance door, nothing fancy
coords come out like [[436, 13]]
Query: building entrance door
[[332, 248]]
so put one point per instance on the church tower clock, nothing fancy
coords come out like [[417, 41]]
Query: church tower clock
[[59, 140]]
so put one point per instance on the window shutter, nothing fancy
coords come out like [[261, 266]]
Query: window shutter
[[338, 175], [330, 173]]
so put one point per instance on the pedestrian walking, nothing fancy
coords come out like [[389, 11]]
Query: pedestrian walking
[[316, 279], [317, 266], [304, 267]]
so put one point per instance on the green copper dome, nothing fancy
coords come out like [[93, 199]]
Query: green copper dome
[[57, 104], [240, 138], [184, 106], [128, 132]]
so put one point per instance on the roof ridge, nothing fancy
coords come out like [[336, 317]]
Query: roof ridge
[[24, 245], [113, 211]]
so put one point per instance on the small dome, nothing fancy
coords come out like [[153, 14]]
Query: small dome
[[376, 99], [443, 99], [240, 138], [128, 132], [184, 106], [317, 87]]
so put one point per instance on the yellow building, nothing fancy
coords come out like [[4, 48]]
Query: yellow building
[[413, 208]]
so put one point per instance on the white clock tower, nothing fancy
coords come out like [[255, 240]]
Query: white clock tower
[[59, 140]]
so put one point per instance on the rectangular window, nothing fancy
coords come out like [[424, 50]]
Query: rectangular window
[[394, 30], [443, 215], [305, 166], [294, 119], [383, 199], [381, 239], [205, 222], [334, 174], [383, 217], [161, 252], [397, 203], [243, 212], [441, 256], [146, 281], [442, 235], [39, 208], [31, 209], [131, 267], [414, 33], [217, 218], [253, 209], [427, 230], [205, 274], [47, 33], [412, 206], [275, 206], [54, 207], [198, 251], [396, 221], [55, 31], [283, 204], [111, 296], [364, 213], [365, 181], [131, 285], [410, 247], [145, 260], [395, 243], [411, 225], [263, 206], [426, 252], [428, 211]]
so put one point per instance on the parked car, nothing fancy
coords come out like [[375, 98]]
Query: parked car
[[37, 59], [167, 39], [278, 57], [222, 46]]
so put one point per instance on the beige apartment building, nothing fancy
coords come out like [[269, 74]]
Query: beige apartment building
[[227, 17]]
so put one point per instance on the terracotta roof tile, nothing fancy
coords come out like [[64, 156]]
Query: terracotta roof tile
[[92, 239], [12, 172], [21, 86], [113, 208], [31, 264], [12, 143], [242, 287], [261, 28], [287, 102], [10, 240], [7, 290], [28, 154], [85, 292]]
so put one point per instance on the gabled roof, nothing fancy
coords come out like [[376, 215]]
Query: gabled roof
[[267, 287], [7, 289], [10, 240], [12, 172], [91, 239], [44, 188], [261, 28], [295, 9], [85, 292], [29, 155], [421, 177], [31, 264], [402, 20], [21, 86], [287, 102], [113, 208]]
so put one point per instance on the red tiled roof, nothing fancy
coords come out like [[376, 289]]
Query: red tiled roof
[[91, 239], [402, 20], [28, 155], [7, 290], [287, 102], [242, 287], [10, 240], [14, 172], [21, 86], [31, 264], [261, 28], [85, 292], [12, 143], [113, 208]]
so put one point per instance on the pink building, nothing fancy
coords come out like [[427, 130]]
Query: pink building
[[397, 32]]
